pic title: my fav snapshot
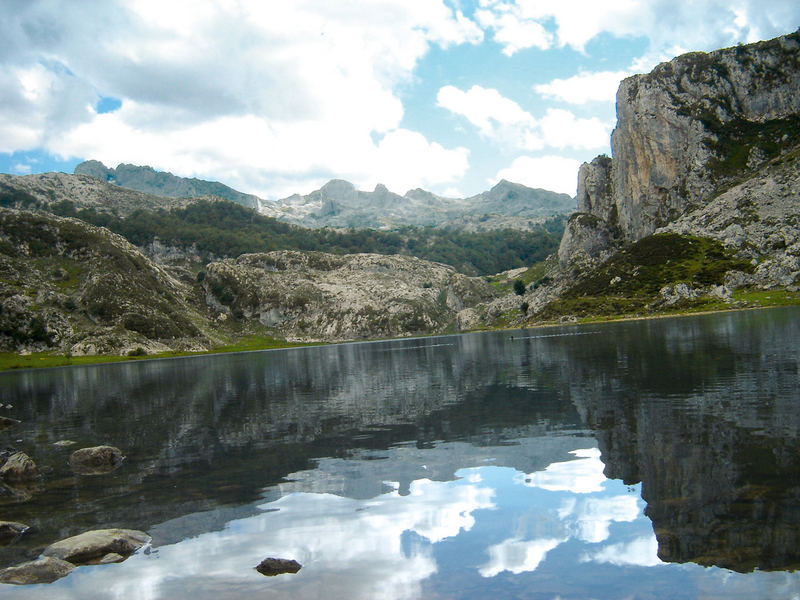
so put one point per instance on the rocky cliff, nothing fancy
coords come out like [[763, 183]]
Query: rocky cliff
[[697, 127]]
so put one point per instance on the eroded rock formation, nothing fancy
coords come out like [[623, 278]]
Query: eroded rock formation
[[695, 129]]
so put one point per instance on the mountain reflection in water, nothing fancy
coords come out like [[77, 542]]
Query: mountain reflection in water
[[571, 463]]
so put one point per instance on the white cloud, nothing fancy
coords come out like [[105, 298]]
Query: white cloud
[[642, 551], [581, 476], [561, 129], [347, 548], [21, 168], [246, 92], [555, 173], [590, 518], [492, 113], [507, 123], [685, 23], [584, 87], [517, 556]]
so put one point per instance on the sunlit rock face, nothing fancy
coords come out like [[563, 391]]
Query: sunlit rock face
[[689, 130], [318, 296]]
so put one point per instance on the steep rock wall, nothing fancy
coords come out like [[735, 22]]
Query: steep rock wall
[[688, 131]]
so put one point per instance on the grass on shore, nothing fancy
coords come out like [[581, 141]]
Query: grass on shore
[[607, 308], [40, 360]]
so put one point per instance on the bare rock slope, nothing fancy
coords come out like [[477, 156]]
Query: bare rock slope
[[313, 296]]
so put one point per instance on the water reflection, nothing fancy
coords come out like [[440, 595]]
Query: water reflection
[[570, 463]]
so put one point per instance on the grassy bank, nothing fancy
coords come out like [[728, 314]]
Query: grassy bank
[[41, 360], [603, 309]]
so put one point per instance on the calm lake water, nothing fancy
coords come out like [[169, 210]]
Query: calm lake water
[[652, 459]]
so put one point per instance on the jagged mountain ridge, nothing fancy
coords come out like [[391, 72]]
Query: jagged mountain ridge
[[339, 204], [159, 183]]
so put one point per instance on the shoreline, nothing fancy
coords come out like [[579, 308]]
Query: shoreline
[[19, 362]]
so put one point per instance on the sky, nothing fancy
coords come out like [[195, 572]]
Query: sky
[[274, 97]]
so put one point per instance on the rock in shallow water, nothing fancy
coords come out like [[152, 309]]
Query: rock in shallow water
[[10, 530], [41, 570], [277, 566], [96, 460], [92, 546], [19, 467]]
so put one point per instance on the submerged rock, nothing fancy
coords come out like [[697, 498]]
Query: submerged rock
[[41, 570], [278, 566], [10, 530], [96, 460], [19, 467], [94, 546]]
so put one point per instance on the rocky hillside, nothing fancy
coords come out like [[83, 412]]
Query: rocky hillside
[[45, 190], [313, 296], [158, 183], [68, 286], [706, 146]]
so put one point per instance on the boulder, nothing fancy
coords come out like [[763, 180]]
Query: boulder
[[94, 546], [19, 467], [41, 570], [10, 530], [277, 566], [96, 460]]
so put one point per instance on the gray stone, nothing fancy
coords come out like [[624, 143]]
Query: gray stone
[[96, 460], [277, 566], [41, 570], [19, 468], [91, 546]]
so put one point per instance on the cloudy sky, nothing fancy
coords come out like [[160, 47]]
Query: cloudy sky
[[274, 97]]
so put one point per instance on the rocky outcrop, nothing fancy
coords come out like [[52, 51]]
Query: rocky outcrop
[[41, 570], [92, 546], [96, 460], [19, 468], [317, 296], [694, 128], [759, 219]]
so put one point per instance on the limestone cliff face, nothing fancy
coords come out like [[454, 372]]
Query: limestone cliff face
[[688, 131], [318, 296]]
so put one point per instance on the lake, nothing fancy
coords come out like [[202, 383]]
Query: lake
[[644, 459]]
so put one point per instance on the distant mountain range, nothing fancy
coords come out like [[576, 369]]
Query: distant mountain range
[[339, 204], [158, 183]]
